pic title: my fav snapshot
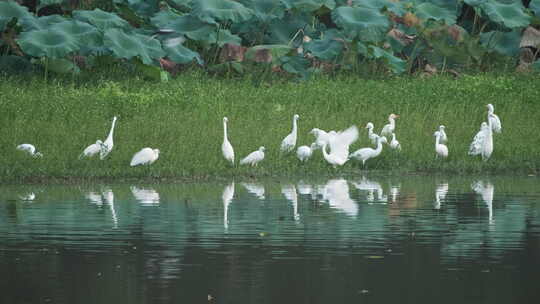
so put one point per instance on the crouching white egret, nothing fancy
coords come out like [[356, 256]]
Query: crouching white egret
[[146, 156], [92, 150], [254, 157], [304, 152], [440, 149], [226, 147], [366, 153], [289, 142], [30, 149], [394, 143]]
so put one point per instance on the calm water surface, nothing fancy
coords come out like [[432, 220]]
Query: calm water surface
[[363, 240]]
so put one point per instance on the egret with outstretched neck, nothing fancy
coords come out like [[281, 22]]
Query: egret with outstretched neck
[[496, 125], [226, 147], [367, 153], [371, 135], [289, 142], [107, 146]]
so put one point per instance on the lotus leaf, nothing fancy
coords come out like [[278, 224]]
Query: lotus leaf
[[10, 10], [309, 5], [44, 3], [505, 43], [397, 65], [193, 28], [131, 45], [534, 5], [265, 10], [296, 65], [283, 31], [212, 11], [328, 48], [363, 23], [428, 11], [42, 23], [60, 65], [102, 20], [181, 54], [222, 37], [84, 33], [511, 15], [140, 7], [47, 43], [15, 64], [163, 18], [397, 8]]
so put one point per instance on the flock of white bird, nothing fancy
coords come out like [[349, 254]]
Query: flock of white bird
[[334, 145]]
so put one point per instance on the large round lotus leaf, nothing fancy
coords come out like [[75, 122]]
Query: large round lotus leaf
[[133, 45], [84, 33], [10, 10], [395, 7], [397, 65], [328, 48], [102, 20], [44, 3], [162, 19], [505, 43], [222, 37], [427, 11], [511, 15], [267, 53], [283, 31], [265, 10], [534, 5], [212, 11], [309, 5], [140, 7], [296, 65], [181, 54], [365, 23], [192, 27], [47, 43], [33, 23]]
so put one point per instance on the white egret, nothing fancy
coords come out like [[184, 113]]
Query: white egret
[[226, 147], [321, 136], [339, 146], [482, 143], [30, 149], [254, 157], [107, 145], [494, 119], [440, 149], [394, 144], [366, 153], [444, 138], [389, 128], [304, 152], [289, 142], [92, 150], [227, 197], [146, 156], [371, 135]]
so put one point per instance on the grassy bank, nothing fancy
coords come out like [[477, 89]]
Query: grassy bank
[[183, 118]]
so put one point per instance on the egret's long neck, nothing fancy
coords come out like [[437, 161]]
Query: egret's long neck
[[378, 150], [392, 121], [294, 127], [112, 130], [437, 138], [370, 131], [225, 131], [325, 154]]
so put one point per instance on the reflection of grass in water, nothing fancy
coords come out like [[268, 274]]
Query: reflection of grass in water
[[183, 118]]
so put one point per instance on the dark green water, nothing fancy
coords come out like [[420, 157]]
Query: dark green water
[[365, 240]]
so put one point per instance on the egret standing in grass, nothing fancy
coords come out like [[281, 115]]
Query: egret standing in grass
[[394, 144], [321, 136], [30, 149], [107, 146], [146, 156], [304, 152], [443, 138], [226, 147], [92, 150], [367, 153], [482, 143], [254, 157], [339, 146], [371, 135], [289, 142], [494, 119], [440, 149], [389, 128]]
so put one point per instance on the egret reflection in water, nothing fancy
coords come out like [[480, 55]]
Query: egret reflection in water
[[108, 195], [227, 196], [374, 190], [486, 191], [440, 195], [289, 191], [145, 196], [336, 192], [256, 189]]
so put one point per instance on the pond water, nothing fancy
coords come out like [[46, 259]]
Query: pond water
[[411, 239]]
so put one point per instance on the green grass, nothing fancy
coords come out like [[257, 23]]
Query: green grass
[[183, 118]]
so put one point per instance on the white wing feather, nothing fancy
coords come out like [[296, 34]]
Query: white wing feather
[[91, 150], [146, 155], [339, 143], [477, 143], [253, 158], [495, 123]]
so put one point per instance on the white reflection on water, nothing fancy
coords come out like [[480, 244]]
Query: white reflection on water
[[394, 192], [440, 195], [30, 196], [145, 196], [306, 189], [486, 190], [227, 196], [372, 188], [94, 198], [109, 199], [336, 192], [289, 191], [256, 189]]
